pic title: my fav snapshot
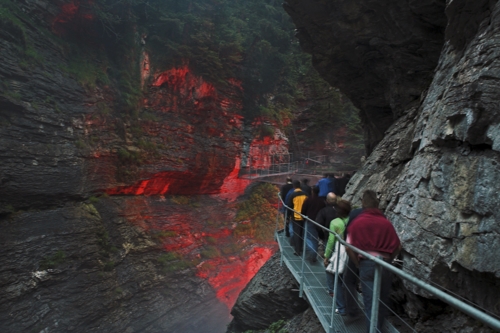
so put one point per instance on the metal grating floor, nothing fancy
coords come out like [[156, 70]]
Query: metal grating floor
[[316, 294]]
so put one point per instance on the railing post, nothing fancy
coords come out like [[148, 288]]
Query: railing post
[[376, 295], [284, 230], [304, 245], [335, 286]]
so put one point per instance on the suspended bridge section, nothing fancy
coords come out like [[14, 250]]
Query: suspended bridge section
[[311, 278]]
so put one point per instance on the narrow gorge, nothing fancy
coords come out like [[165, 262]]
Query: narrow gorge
[[127, 127]]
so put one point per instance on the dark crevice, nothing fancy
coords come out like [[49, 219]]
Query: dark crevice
[[453, 143], [481, 147]]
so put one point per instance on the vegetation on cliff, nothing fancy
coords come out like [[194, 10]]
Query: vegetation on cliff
[[248, 43]]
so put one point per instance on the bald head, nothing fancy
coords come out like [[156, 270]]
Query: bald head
[[331, 198]]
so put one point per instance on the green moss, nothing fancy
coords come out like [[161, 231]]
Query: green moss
[[172, 262], [80, 144], [211, 240], [86, 71], [147, 145], [12, 94], [257, 215], [52, 261], [232, 248], [10, 15], [210, 252], [108, 266], [266, 130], [180, 199], [207, 267], [167, 257], [277, 327], [105, 244], [165, 233], [103, 109], [148, 116], [8, 208], [129, 157]]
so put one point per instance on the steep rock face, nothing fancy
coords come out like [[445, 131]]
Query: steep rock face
[[267, 298], [380, 54], [436, 169]]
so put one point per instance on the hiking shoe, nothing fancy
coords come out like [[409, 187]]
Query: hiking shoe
[[348, 319], [340, 313]]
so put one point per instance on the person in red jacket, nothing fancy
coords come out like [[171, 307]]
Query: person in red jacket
[[373, 233]]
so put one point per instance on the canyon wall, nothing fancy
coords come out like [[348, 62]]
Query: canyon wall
[[425, 77], [118, 219]]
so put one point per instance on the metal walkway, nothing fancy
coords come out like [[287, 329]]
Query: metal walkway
[[314, 287], [312, 282]]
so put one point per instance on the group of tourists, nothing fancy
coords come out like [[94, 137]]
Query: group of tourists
[[365, 228]]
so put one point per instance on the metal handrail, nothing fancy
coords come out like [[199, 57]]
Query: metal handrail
[[453, 301]]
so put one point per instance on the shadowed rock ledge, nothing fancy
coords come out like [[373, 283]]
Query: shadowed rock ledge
[[381, 54], [268, 297]]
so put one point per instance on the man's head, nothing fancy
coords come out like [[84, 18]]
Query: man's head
[[369, 199], [315, 190], [331, 198], [305, 181], [289, 180], [296, 184], [343, 208]]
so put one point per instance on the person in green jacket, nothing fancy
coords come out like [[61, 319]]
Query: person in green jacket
[[337, 225]]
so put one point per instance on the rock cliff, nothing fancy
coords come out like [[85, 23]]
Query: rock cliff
[[425, 77], [124, 127], [116, 219]]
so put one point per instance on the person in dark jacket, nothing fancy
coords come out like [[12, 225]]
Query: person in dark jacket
[[326, 215], [304, 185], [295, 202], [283, 192], [286, 187], [341, 184], [312, 205]]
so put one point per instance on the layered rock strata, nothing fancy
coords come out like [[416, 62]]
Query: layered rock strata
[[76, 255]]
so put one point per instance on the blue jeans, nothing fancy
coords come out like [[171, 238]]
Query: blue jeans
[[340, 300], [351, 278], [311, 241], [367, 276]]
